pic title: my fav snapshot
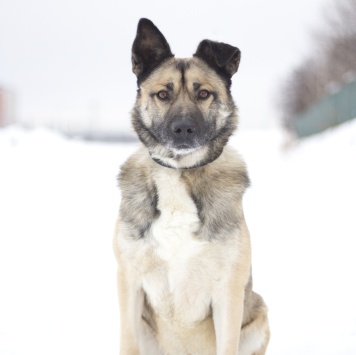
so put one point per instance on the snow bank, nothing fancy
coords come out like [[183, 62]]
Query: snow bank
[[58, 203], [301, 215]]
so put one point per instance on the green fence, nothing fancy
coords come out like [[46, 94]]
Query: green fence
[[330, 111]]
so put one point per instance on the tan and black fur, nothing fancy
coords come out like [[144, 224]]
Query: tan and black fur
[[181, 241]]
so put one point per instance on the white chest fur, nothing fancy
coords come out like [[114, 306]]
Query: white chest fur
[[178, 281], [173, 230]]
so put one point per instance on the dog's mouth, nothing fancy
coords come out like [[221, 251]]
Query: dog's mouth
[[184, 146], [183, 149]]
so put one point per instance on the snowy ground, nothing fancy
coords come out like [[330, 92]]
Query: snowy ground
[[58, 203]]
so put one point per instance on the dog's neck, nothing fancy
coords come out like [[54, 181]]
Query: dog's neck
[[193, 160]]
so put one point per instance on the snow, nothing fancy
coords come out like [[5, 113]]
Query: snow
[[58, 204]]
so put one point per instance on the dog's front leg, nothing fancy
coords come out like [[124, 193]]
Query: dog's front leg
[[228, 300], [227, 314], [131, 304]]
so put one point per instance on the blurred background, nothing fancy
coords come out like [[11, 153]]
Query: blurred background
[[66, 64], [66, 91]]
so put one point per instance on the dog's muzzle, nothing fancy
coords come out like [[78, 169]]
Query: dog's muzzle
[[185, 130], [184, 133]]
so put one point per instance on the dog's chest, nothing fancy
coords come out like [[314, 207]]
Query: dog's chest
[[178, 281], [173, 232]]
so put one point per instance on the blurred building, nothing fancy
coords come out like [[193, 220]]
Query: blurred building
[[7, 107], [334, 109]]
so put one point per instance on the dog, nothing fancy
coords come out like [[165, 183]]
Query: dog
[[181, 240]]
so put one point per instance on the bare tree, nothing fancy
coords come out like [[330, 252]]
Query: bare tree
[[299, 91], [338, 41], [332, 64]]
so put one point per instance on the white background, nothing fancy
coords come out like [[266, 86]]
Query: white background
[[68, 61]]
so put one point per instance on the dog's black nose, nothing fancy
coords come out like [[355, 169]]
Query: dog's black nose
[[183, 128]]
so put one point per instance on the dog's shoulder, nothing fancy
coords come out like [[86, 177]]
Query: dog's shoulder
[[138, 192], [136, 167], [227, 173], [232, 168], [217, 190]]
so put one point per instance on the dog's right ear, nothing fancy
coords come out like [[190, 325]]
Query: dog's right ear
[[149, 49]]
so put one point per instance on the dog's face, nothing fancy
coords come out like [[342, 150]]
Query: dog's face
[[184, 112]]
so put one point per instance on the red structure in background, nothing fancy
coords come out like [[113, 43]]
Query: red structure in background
[[2, 108], [6, 107]]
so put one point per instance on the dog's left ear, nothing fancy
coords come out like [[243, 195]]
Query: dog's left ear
[[149, 49], [221, 56]]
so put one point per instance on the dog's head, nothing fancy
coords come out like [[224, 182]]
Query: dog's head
[[184, 112]]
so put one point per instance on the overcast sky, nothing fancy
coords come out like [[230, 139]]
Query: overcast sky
[[68, 61]]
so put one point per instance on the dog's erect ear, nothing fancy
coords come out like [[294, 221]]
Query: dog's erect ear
[[221, 56], [149, 49]]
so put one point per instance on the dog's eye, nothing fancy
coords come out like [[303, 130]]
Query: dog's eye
[[203, 94], [163, 95]]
